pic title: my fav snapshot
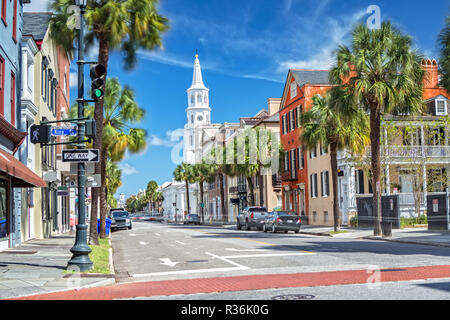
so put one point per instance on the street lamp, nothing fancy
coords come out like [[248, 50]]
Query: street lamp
[[81, 250]]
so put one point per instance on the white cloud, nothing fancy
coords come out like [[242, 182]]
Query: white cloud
[[171, 139], [127, 170]]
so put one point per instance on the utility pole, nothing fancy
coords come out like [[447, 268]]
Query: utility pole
[[81, 250]]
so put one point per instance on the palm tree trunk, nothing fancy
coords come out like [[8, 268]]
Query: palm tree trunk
[[251, 196], [103, 58], [334, 177], [261, 189], [222, 198], [202, 207], [103, 202], [187, 197], [375, 122]]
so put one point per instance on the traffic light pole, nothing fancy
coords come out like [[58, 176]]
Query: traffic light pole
[[81, 250]]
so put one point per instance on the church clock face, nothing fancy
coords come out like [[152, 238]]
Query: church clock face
[[200, 118]]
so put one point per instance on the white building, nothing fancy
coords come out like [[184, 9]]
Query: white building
[[198, 124]]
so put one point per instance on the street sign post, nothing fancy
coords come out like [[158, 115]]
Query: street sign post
[[64, 131], [81, 155], [62, 191]]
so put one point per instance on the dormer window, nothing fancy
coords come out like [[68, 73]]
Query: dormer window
[[441, 107]]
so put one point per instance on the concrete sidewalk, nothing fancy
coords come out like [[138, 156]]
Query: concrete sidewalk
[[407, 235], [37, 267]]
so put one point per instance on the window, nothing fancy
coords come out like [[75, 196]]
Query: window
[[192, 99], [13, 99], [14, 26], [299, 112], [3, 210], [293, 90], [286, 161], [4, 11], [191, 140], [293, 162], [325, 183], [313, 153], [288, 120], [301, 158], [323, 150], [313, 181], [2, 86], [359, 181], [325, 217], [292, 120], [441, 107]]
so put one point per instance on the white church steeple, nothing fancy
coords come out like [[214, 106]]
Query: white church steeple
[[198, 112]]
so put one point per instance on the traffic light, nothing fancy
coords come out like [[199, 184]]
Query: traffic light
[[90, 128], [40, 133], [97, 73]]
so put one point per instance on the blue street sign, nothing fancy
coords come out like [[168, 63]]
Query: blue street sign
[[64, 131]]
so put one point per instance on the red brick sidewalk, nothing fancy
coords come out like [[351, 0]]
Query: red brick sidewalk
[[241, 283]]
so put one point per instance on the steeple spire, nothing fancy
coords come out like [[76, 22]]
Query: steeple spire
[[197, 80]]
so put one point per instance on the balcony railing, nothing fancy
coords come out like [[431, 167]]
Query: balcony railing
[[408, 152], [288, 176]]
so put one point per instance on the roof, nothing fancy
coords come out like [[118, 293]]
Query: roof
[[310, 76], [36, 24]]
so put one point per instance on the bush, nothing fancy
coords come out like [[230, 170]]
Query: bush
[[354, 221]]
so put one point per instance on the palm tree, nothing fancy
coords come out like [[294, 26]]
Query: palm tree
[[444, 61], [121, 111], [113, 182], [152, 186], [157, 198], [330, 123], [125, 26], [203, 172], [385, 76], [184, 172]]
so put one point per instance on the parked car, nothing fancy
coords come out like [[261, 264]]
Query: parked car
[[283, 221], [192, 218], [120, 219], [251, 217]]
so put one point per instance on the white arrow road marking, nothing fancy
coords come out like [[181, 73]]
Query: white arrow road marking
[[157, 234], [132, 235], [143, 243], [180, 242], [236, 267], [168, 262], [246, 250]]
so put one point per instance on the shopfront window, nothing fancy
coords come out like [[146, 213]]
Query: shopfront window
[[3, 210]]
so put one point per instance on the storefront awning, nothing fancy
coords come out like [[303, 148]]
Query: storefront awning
[[21, 176]]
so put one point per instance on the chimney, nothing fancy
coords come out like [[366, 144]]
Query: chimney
[[431, 79], [273, 105]]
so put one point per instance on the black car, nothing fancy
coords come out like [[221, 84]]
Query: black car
[[282, 221], [192, 218], [120, 219]]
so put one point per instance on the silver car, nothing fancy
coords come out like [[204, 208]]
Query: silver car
[[120, 219]]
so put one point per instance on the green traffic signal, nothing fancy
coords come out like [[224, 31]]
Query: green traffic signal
[[97, 74]]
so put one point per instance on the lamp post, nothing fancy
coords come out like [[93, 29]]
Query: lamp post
[[81, 250]]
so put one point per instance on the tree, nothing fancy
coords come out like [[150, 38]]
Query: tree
[[444, 60], [118, 136], [329, 123], [125, 26], [184, 172], [203, 172], [157, 198], [113, 182], [385, 76], [152, 186]]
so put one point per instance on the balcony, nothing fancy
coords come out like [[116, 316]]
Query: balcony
[[416, 151], [242, 188], [276, 181], [288, 176]]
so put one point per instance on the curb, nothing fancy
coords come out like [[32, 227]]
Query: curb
[[316, 233], [111, 262], [437, 244]]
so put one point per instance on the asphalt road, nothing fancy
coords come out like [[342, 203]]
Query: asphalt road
[[158, 251]]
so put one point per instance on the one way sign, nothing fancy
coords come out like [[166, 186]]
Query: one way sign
[[83, 155]]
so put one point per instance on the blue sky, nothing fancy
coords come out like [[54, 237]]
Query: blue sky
[[245, 50]]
